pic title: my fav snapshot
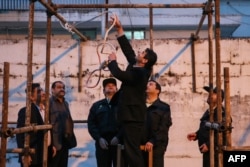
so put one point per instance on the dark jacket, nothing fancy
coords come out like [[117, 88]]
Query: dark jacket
[[134, 81], [36, 138], [158, 123], [62, 124], [203, 131], [102, 121]]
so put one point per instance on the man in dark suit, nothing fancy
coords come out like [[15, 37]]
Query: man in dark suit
[[131, 100], [62, 134], [36, 138], [103, 126], [157, 125], [202, 135]]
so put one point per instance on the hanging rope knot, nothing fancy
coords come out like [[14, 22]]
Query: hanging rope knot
[[69, 28]]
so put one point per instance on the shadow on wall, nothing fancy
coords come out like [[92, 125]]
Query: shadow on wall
[[244, 137], [21, 87]]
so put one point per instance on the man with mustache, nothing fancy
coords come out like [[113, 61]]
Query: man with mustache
[[63, 137]]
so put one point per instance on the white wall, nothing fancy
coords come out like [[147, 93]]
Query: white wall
[[186, 106]]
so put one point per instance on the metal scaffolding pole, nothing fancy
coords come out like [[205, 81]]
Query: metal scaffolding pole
[[128, 5], [4, 114], [218, 79], [29, 79], [47, 87], [228, 124], [208, 6], [63, 21], [209, 11]]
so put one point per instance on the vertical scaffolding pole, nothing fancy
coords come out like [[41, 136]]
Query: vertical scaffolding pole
[[151, 27], [47, 82], [227, 107], [193, 38], [218, 79], [80, 65], [29, 80], [4, 114], [210, 50]]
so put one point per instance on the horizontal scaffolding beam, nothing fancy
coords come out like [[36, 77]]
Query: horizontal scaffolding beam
[[129, 5]]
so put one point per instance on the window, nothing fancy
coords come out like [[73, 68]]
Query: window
[[90, 34], [136, 34]]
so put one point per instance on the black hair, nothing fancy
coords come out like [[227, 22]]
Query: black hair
[[151, 56], [157, 85], [33, 87], [54, 84]]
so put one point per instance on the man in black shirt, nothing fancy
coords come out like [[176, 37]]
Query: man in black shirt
[[202, 134], [157, 125], [131, 96], [103, 126]]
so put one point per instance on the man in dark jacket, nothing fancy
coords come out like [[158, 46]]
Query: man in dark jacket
[[103, 126], [36, 138], [202, 134], [157, 124], [131, 103], [62, 134]]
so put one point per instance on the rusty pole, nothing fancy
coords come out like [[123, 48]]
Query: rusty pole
[[63, 21], [193, 38], [30, 128], [128, 5], [218, 79], [80, 66], [4, 114], [47, 83], [207, 7], [227, 107], [151, 27], [29, 79], [210, 50]]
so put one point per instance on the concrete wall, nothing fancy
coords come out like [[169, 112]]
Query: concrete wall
[[186, 106]]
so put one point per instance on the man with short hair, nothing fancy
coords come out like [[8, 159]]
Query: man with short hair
[[202, 134], [157, 125], [131, 96], [63, 137], [103, 126], [36, 138]]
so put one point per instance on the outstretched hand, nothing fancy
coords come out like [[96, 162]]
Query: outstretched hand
[[115, 20], [112, 57], [191, 136], [117, 24]]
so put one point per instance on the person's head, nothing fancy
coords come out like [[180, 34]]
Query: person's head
[[41, 97], [35, 92], [214, 95], [109, 86], [147, 57], [58, 89], [153, 88]]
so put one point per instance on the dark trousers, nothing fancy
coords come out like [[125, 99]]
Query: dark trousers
[[206, 159], [60, 159], [132, 141], [105, 158], [39, 165], [158, 156]]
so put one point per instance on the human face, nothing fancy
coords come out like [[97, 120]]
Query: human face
[[213, 99], [140, 58], [35, 94], [42, 94], [151, 88], [110, 89], [59, 90]]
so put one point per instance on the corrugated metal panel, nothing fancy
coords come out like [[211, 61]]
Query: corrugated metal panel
[[11, 5]]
